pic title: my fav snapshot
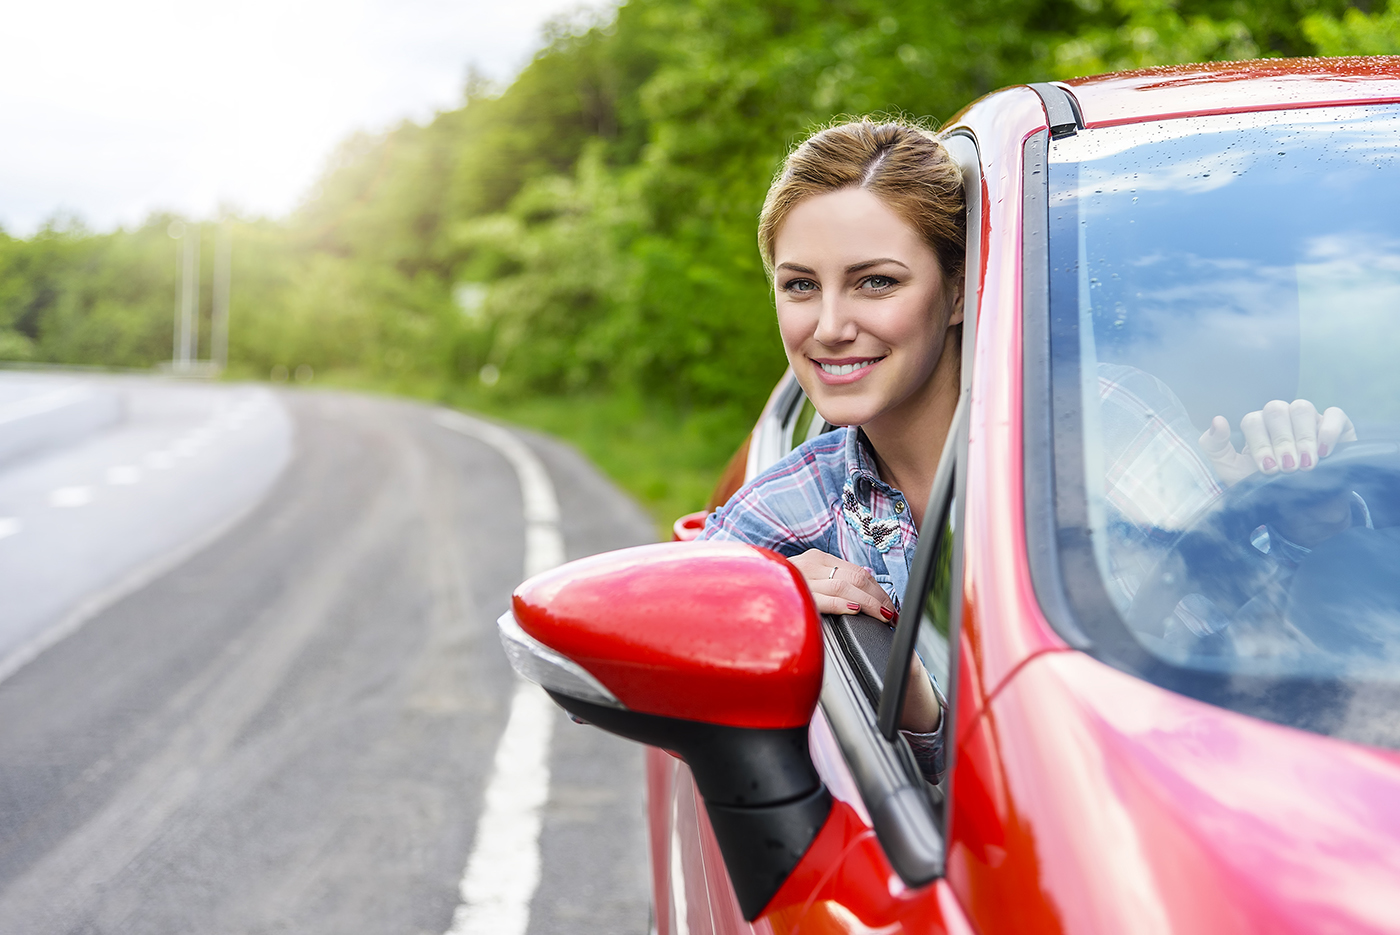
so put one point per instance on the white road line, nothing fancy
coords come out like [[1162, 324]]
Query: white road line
[[544, 546], [46, 402], [9, 525], [70, 496], [503, 870], [122, 474], [70, 623]]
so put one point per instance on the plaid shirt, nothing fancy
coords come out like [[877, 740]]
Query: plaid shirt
[[825, 495]]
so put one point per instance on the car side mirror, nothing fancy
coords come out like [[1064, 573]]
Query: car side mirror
[[712, 650]]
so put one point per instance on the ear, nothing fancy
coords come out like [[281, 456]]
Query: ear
[[955, 299]]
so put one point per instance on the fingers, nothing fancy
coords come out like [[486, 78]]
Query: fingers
[[842, 587], [1334, 427], [1257, 441], [1304, 419], [1216, 440], [1288, 437], [1278, 419]]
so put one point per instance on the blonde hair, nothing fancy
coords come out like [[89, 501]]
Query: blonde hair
[[903, 165]]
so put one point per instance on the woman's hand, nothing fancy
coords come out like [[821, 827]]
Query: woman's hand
[[1282, 436], [841, 587]]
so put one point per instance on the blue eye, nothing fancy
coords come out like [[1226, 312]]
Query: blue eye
[[799, 285], [880, 283]]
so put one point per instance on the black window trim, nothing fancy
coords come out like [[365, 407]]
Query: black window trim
[[899, 809]]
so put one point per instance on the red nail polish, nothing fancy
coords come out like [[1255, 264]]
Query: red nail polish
[[1288, 462], [853, 606], [1306, 460], [1270, 464], [1322, 451], [886, 613]]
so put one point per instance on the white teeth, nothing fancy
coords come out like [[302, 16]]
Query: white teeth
[[841, 370]]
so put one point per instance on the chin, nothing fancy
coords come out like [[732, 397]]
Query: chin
[[841, 412]]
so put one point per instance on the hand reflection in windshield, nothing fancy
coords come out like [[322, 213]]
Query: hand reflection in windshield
[[1158, 484]]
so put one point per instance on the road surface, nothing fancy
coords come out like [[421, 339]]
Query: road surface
[[251, 679]]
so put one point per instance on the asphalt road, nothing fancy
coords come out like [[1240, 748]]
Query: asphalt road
[[290, 729]]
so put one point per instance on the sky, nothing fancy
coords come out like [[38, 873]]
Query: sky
[[112, 110]]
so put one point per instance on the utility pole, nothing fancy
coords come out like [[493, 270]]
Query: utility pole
[[189, 304], [176, 230], [223, 256]]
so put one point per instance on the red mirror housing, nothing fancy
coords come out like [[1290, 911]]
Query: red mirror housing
[[688, 527], [716, 632], [710, 649]]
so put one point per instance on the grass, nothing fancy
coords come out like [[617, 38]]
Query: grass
[[667, 458]]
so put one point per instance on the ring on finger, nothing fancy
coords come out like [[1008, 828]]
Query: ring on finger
[[833, 572]]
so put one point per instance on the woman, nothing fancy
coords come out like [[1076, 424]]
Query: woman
[[862, 235]]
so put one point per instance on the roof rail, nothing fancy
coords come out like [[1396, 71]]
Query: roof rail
[[1061, 109]]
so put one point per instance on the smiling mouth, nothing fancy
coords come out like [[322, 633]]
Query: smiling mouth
[[841, 370]]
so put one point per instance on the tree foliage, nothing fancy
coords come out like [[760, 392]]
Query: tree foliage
[[591, 226]]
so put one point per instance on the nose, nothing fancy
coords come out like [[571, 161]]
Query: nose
[[835, 323]]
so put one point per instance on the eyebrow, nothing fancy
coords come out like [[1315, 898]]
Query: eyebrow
[[866, 264], [853, 268]]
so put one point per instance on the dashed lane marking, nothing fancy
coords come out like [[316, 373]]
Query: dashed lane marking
[[123, 474], [71, 496]]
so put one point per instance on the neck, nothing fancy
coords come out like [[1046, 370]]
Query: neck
[[908, 439]]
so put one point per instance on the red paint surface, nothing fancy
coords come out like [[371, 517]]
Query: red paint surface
[[1235, 87], [707, 631], [1112, 805]]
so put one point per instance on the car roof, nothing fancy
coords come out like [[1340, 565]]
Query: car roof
[[1234, 87]]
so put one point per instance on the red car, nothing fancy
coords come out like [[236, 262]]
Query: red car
[[1176, 694]]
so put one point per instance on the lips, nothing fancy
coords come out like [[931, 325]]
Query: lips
[[844, 370]]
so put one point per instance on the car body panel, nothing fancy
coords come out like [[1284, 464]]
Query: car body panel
[[1234, 87], [1267, 828], [997, 582]]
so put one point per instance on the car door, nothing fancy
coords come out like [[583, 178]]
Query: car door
[[878, 865]]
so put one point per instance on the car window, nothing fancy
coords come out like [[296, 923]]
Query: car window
[[936, 626], [806, 424], [1200, 268]]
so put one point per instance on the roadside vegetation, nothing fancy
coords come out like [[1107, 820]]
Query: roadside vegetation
[[576, 251]]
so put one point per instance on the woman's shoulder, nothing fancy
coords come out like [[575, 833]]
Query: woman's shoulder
[[790, 502]]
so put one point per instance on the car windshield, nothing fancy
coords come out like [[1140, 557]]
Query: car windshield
[[1200, 268]]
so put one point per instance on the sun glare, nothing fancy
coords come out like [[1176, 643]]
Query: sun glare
[[116, 110]]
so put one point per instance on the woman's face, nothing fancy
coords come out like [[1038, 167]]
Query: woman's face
[[863, 307]]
